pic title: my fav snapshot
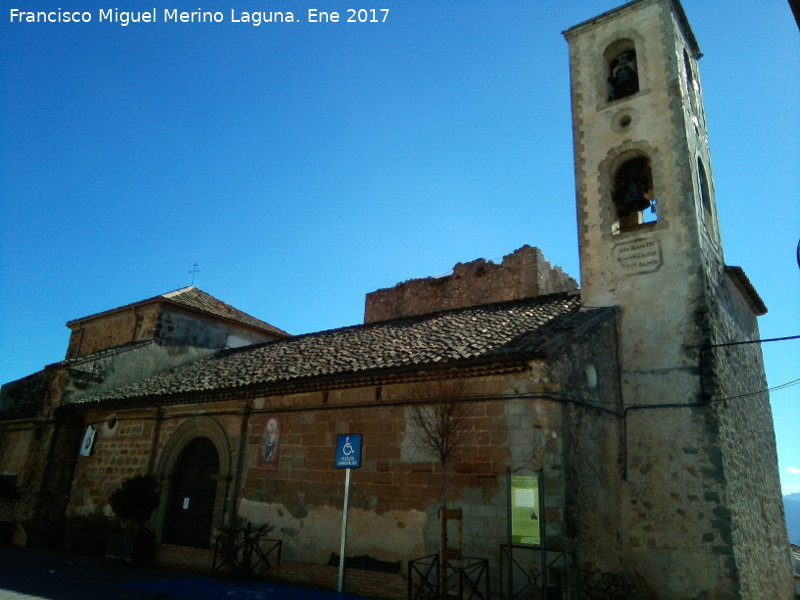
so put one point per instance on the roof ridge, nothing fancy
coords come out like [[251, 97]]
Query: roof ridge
[[413, 318], [197, 299], [178, 291], [194, 298], [495, 332], [497, 303]]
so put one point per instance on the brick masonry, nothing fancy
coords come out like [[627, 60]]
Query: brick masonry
[[515, 419], [522, 274], [655, 442]]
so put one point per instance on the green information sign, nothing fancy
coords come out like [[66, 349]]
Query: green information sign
[[525, 510]]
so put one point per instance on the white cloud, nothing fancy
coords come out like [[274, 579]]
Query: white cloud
[[793, 470]]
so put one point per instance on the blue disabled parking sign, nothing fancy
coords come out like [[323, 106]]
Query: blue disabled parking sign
[[348, 451]]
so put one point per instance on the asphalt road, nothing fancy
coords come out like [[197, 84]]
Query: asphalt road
[[44, 575]]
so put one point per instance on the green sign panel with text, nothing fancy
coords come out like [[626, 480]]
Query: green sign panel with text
[[525, 510]]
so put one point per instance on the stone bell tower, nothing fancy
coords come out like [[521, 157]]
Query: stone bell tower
[[702, 506]]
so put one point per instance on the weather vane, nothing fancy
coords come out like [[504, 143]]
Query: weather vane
[[193, 271]]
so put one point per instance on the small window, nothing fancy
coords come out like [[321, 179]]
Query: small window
[[634, 198], [590, 376], [690, 81], [705, 194], [687, 65], [623, 75]]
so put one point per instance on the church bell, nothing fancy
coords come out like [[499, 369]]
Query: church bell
[[632, 186], [634, 198], [624, 78]]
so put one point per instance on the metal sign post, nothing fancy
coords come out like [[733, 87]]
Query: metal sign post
[[348, 456]]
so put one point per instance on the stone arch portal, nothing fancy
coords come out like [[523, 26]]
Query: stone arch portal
[[194, 469], [190, 512]]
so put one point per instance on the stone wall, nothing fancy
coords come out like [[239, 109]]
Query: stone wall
[[748, 452], [122, 448], [181, 328], [40, 454], [699, 500], [522, 274], [112, 369], [550, 415], [396, 493], [165, 324], [23, 397], [372, 584], [114, 329], [594, 452]]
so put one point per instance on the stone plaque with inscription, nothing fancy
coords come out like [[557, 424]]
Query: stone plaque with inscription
[[639, 256]]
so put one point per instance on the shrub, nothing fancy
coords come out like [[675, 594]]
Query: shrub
[[135, 500]]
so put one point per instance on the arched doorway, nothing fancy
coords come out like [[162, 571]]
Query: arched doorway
[[194, 492]]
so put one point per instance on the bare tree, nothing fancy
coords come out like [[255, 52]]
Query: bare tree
[[441, 421], [440, 418]]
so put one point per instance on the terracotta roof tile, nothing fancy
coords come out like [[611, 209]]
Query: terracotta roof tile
[[518, 328], [196, 299]]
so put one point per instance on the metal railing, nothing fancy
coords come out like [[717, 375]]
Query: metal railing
[[529, 582], [244, 549], [468, 580]]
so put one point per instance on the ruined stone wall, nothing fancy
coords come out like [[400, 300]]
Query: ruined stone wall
[[36, 454], [522, 274]]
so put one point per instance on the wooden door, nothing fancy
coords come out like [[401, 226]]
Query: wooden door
[[194, 494]]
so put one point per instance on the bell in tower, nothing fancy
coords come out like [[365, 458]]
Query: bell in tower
[[697, 514], [624, 78], [632, 187]]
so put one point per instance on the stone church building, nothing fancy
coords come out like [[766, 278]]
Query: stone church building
[[630, 399]]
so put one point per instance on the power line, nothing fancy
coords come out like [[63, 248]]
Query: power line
[[772, 389]]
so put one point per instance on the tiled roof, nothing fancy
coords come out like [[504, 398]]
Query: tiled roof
[[196, 299], [515, 329], [740, 278]]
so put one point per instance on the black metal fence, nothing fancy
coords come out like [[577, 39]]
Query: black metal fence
[[526, 578], [465, 579], [241, 551]]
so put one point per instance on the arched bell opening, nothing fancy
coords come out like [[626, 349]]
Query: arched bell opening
[[633, 194], [622, 70]]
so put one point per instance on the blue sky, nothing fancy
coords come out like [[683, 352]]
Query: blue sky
[[303, 165]]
